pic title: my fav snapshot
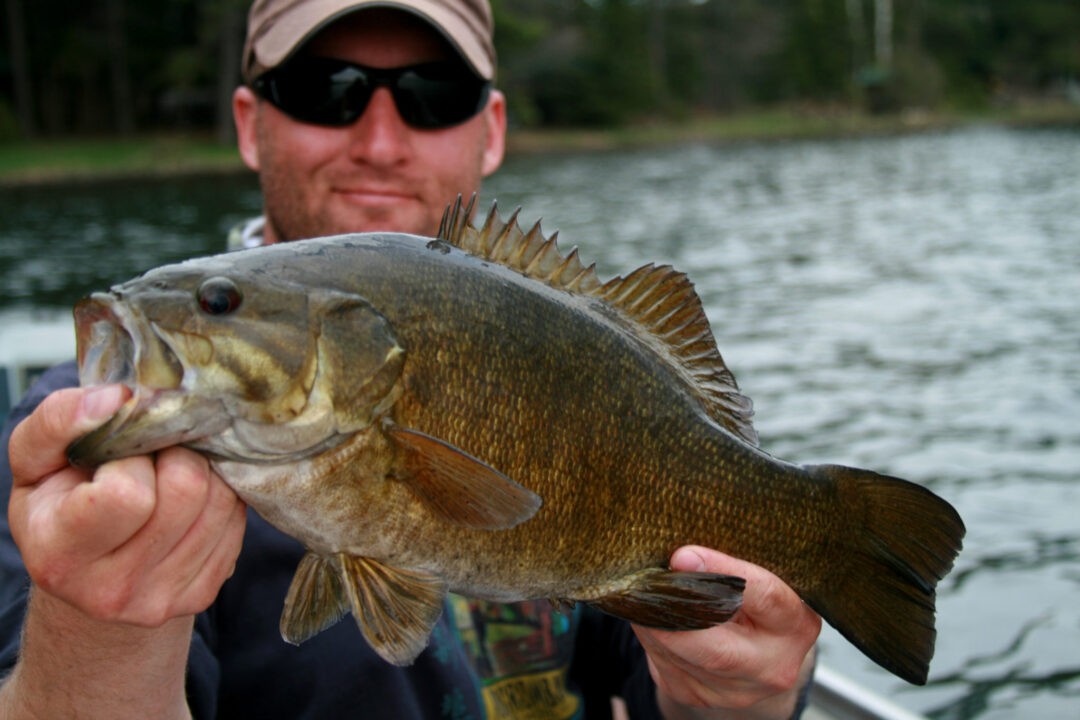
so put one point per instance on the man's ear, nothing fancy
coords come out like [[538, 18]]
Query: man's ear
[[245, 109], [495, 144]]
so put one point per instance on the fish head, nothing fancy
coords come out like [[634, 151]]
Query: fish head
[[242, 365]]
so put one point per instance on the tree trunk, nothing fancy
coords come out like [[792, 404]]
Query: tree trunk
[[228, 76], [123, 111], [657, 40], [20, 68], [856, 30], [883, 45]]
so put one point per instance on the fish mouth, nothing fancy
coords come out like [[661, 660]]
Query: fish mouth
[[115, 346], [105, 348]]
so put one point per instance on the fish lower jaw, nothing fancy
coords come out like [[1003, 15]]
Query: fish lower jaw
[[150, 420], [232, 445]]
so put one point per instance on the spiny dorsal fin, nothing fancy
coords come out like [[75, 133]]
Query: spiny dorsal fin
[[530, 254], [659, 300]]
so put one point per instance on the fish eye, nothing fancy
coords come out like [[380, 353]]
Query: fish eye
[[219, 296]]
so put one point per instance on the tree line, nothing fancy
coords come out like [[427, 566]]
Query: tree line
[[115, 67]]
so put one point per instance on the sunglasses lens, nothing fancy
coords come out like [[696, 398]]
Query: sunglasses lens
[[320, 91], [438, 95], [335, 93]]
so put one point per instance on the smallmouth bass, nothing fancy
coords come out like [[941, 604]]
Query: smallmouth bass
[[479, 413]]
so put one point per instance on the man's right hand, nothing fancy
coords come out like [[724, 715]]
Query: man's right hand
[[121, 557]]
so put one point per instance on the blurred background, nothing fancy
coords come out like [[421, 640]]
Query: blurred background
[[117, 67], [878, 201]]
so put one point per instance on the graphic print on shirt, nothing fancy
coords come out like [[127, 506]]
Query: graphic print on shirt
[[521, 653]]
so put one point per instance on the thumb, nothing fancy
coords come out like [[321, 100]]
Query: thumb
[[767, 600], [688, 559], [694, 558], [39, 442]]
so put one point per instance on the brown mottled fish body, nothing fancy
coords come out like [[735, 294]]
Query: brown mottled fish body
[[479, 413], [628, 470]]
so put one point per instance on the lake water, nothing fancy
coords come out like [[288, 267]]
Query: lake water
[[908, 304]]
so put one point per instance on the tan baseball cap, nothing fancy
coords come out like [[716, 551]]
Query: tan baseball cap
[[276, 28]]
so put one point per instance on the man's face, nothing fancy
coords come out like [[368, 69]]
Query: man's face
[[378, 173]]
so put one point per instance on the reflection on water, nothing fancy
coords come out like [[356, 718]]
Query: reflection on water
[[905, 304]]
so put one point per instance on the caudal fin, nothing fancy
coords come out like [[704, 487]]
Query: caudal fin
[[879, 592]]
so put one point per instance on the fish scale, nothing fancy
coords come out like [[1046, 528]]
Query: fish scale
[[480, 413]]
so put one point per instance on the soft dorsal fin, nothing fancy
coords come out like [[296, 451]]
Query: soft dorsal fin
[[660, 301]]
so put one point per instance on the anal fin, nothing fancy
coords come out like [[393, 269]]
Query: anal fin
[[395, 609], [674, 600]]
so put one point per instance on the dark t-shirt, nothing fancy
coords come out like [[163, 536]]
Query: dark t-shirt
[[493, 660]]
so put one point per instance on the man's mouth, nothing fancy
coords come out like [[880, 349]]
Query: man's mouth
[[374, 196]]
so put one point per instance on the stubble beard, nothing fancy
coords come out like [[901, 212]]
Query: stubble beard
[[296, 212], [287, 215], [294, 215], [290, 214]]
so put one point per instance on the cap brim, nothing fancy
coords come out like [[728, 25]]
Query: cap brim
[[301, 22]]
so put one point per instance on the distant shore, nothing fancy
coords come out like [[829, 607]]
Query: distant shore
[[78, 160]]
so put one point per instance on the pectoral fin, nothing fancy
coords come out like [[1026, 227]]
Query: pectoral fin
[[459, 488], [396, 609], [674, 600]]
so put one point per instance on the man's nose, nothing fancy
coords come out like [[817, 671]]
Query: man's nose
[[379, 136]]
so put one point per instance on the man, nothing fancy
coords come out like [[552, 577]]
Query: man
[[132, 612]]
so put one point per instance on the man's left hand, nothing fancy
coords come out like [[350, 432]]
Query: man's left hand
[[752, 666]]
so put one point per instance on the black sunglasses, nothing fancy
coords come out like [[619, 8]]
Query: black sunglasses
[[325, 91]]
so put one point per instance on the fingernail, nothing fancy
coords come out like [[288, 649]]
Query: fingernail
[[101, 402], [687, 560]]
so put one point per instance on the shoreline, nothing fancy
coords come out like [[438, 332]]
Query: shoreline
[[785, 124], [58, 162]]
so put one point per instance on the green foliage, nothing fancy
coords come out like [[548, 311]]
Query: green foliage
[[684, 71], [97, 66], [517, 37], [9, 127], [989, 50], [818, 51], [918, 81], [589, 70]]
